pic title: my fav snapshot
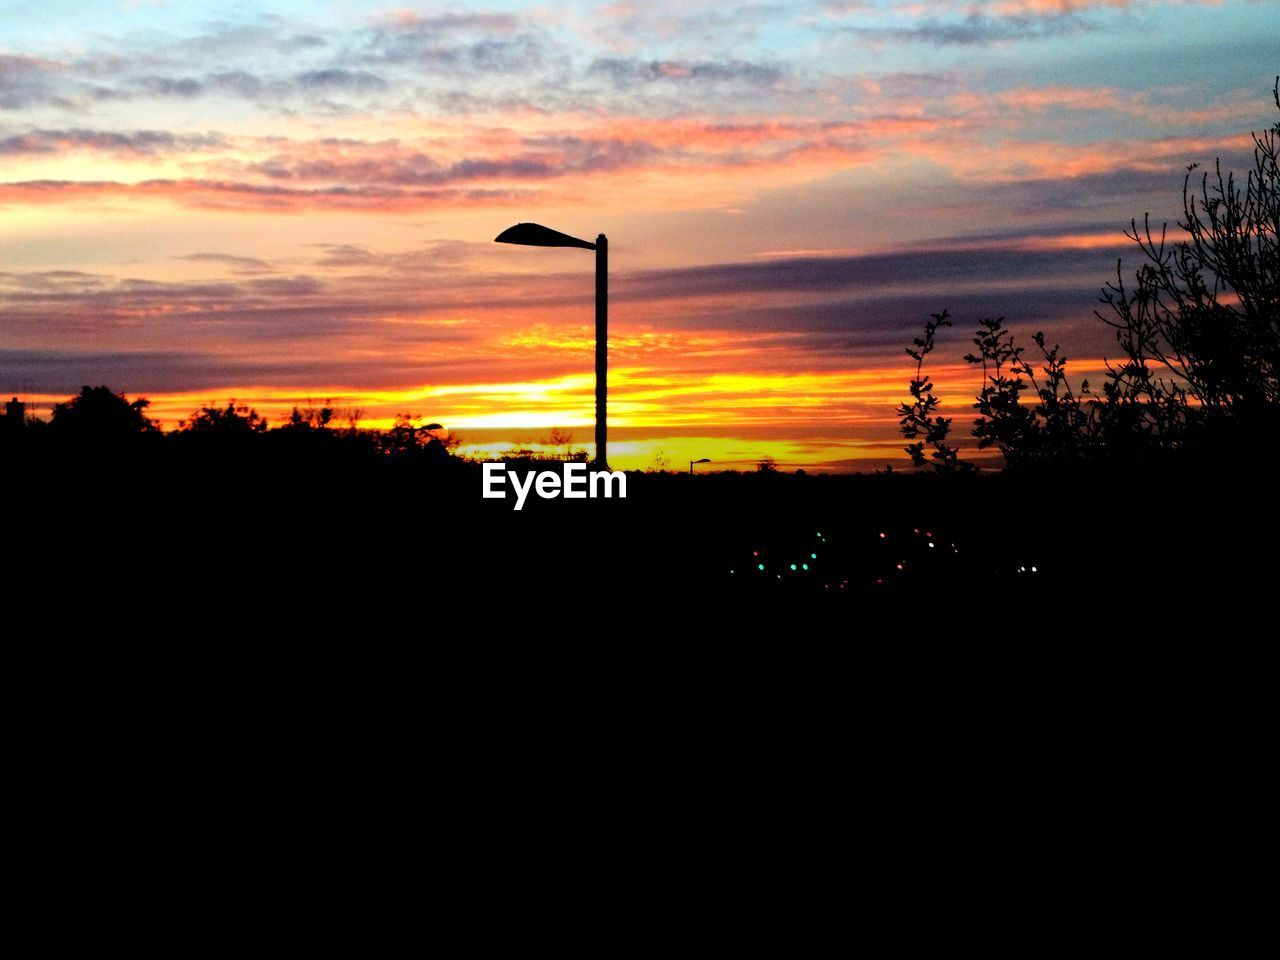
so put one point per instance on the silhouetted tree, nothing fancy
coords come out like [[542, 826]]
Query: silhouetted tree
[[98, 412], [310, 417], [228, 420], [1199, 330], [352, 417], [1062, 424], [563, 439], [404, 440], [1200, 324], [918, 418]]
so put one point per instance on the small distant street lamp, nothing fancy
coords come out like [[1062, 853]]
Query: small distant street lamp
[[536, 235], [692, 462]]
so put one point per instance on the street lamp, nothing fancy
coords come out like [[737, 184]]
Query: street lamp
[[536, 235], [692, 462]]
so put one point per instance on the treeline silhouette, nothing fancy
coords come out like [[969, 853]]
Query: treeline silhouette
[[308, 507], [104, 423], [231, 510]]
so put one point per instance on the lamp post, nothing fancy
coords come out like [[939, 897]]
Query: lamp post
[[692, 462], [536, 235]]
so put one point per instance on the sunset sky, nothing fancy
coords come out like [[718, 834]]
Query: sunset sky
[[282, 201]]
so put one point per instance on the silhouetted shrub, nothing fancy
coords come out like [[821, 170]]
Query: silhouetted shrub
[[230, 419], [1199, 329], [99, 413], [918, 418], [1200, 326], [404, 441], [310, 417]]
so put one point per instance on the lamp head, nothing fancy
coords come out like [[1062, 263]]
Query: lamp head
[[536, 235]]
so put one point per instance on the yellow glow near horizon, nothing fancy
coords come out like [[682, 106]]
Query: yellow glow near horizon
[[751, 415]]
